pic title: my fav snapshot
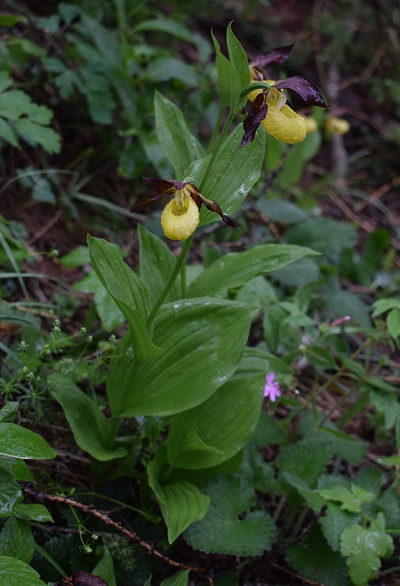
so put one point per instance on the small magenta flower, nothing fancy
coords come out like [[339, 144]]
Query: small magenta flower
[[271, 389]]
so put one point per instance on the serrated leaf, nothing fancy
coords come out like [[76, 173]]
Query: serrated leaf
[[351, 501], [364, 548], [127, 290], [203, 341], [333, 523], [156, 265], [222, 424], [16, 541], [181, 503], [13, 572], [38, 134], [7, 133], [93, 432], [18, 442], [221, 530], [306, 459], [315, 560], [180, 147], [237, 268], [233, 174]]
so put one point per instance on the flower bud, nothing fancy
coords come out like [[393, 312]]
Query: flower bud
[[337, 125]]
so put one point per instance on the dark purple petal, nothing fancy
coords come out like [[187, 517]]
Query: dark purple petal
[[257, 114], [164, 187], [276, 56], [161, 188], [306, 89]]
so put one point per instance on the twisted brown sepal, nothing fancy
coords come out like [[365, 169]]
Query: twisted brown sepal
[[161, 187], [306, 89], [257, 114], [210, 205], [278, 55]]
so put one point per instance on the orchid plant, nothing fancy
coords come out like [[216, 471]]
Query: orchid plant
[[184, 369]]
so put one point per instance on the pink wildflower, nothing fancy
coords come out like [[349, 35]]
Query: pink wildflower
[[271, 389]]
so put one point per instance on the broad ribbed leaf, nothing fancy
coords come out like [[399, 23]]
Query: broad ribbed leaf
[[202, 341], [156, 265], [13, 572], [181, 503], [239, 70], [223, 71], [127, 290], [18, 442], [234, 172], [180, 146], [237, 268], [89, 425], [223, 423]]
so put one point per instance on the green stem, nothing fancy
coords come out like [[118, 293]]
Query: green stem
[[171, 281], [179, 266]]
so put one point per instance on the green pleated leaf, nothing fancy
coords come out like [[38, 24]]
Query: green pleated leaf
[[13, 572], [222, 531], [223, 72], [222, 424], [16, 541], [180, 147], [238, 60], [92, 430], [237, 268], [18, 442], [202, 340], [181, 503], [234, 172], [156, 265], [127, 290]]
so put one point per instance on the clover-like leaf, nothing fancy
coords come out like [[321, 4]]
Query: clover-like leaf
[[364, 548]]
